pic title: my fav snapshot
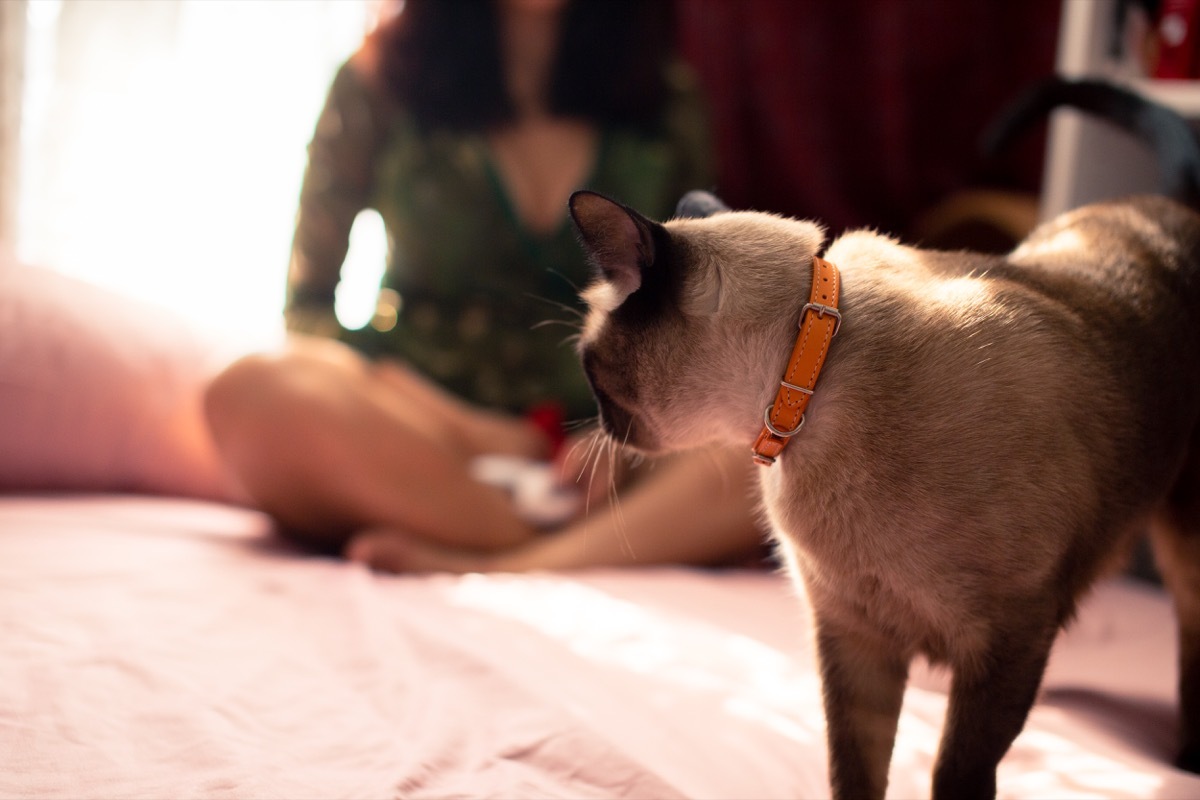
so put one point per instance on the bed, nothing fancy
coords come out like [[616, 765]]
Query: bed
[[159, 640]]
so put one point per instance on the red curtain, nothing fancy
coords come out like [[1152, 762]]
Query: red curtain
[[864, 112]]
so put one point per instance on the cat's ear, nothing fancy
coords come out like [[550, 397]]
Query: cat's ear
[[618, 240]]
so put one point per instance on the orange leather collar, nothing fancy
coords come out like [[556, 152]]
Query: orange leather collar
[[819, 322]]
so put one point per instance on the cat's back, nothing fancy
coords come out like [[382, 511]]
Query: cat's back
[[1142, 252], [1024, 397], [1077, 353], [1128, 273]]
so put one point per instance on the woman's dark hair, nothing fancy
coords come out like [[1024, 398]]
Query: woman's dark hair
[[441, 60]]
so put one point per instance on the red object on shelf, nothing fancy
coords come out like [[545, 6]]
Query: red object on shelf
[[1176, 31]]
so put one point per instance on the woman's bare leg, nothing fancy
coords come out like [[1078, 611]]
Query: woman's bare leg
[[329, 443], [478, 430], [696, 508]]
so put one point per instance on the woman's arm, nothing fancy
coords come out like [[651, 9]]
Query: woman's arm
[[338, 183]]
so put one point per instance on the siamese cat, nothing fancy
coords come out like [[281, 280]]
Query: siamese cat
[[982, 436]]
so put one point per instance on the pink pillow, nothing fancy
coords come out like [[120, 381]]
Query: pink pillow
[[99, 392]]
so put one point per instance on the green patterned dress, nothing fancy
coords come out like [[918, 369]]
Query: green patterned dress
[[483, 306]]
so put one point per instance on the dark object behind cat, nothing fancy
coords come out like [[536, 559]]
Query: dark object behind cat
[[987, 434], [1167, 134]]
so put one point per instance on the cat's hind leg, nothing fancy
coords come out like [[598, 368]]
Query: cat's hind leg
[[1175, 533]]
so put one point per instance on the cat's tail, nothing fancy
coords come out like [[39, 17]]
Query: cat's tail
[[1166, 132]]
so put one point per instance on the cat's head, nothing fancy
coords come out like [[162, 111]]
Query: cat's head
[[690, 321]]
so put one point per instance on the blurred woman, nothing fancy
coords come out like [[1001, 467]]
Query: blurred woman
[[467, 125]]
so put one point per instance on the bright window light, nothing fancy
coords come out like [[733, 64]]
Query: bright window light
[[163, 145], [362, 270]]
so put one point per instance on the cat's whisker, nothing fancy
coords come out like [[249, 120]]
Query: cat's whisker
[[628, 430], [588, 443], [548, 322], [614, 501], [574, 286], [561, 306], [593, 443], [575, 424], [594, 455]]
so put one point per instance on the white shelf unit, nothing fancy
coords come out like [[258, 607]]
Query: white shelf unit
[[1089, 160]]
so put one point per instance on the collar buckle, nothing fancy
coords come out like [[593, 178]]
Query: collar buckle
[[822, 312]]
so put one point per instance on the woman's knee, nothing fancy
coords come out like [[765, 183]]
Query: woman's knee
[[234, 401], [274, 421], [264, 392]]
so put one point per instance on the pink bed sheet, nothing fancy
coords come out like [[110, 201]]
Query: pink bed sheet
[[155, 648]]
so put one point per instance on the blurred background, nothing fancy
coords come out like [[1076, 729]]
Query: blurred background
[[157, 146]]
